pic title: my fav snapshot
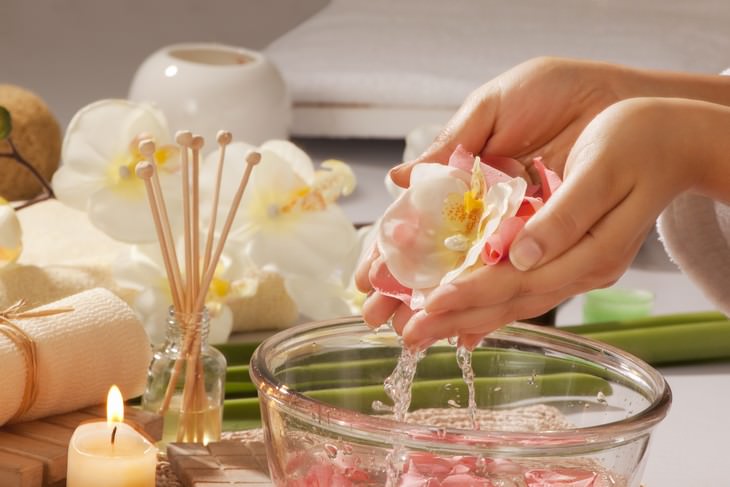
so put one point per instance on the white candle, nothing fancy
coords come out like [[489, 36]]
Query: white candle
[[110, 453]]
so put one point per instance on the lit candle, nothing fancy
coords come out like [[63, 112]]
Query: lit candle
[[110, 453]]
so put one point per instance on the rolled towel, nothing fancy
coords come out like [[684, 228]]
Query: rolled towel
[[80, 354]]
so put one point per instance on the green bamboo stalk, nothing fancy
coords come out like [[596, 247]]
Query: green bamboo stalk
[[649, 321], [675, 343], [490, 392], [237, 353]]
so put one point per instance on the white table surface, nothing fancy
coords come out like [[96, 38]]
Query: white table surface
[[690, 448]]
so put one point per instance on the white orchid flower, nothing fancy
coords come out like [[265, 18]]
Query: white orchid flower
[[11, 234], [99, 156], [141, 269], [289, 222], [438, 228]]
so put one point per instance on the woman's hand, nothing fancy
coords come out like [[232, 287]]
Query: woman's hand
[[535, 109], [538, 108], [625, 167]]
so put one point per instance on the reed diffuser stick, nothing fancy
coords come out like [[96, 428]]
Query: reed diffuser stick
[[198, 142], [145, 171], [147, 149], [252, 159], [224, 138], [185, 139]]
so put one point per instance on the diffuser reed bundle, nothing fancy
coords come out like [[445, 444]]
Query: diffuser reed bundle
[[189, 288]]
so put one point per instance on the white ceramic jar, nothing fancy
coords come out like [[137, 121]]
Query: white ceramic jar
[[208, 87]]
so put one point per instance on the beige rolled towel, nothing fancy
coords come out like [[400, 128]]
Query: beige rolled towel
[[80, 355]]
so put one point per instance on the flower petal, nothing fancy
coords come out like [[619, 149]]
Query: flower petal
[[415, 221], [122, 216], [102, 131], [317, 299], [497, 245], [312, 243], [293, 155], [11, 234], [139, 267], [74, 188], [501, 202]]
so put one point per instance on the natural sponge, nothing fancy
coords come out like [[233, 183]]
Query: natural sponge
[[37, 137]]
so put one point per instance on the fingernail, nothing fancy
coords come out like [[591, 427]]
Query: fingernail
[[439, 297], [525, 253], [394, 173]]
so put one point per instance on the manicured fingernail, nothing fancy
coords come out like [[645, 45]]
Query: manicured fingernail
[[525, 253], [439, 298], [396, 173]]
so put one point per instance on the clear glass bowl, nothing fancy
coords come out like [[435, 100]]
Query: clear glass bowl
[[554, 410]]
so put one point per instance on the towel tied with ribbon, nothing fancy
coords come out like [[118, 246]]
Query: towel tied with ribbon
[[65, 355]]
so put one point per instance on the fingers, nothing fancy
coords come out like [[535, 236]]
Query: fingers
[[477, 322], [591, 192], [598, 259], [470, 341], [401, 316], [362, 272], [470, 126], [378, 309]]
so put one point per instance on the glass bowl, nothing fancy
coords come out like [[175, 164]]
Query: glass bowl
[[553, 409]]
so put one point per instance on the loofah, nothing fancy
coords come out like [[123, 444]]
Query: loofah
[[37, 137]]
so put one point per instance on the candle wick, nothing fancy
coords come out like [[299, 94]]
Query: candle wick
[[114, 434]]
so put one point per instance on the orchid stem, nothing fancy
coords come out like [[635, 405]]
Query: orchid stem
[[17, 157]]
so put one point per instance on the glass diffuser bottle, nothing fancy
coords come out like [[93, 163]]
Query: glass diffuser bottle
[[186, 381]]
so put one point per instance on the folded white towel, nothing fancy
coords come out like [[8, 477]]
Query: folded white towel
[[80, 355], [429, 54]]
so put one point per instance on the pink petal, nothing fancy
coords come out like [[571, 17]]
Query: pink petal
[[497, 246], [383, 281], [529, 207], [549, 180], [507, 165], [560, 477], [465, 480], [464, 160]]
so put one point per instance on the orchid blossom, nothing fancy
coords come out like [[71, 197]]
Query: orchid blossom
[[289, 222], [99, 157], [11, 235], [451, 219], [141, 269]]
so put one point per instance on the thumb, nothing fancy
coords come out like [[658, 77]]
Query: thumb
[[578, 204], [470, 126]]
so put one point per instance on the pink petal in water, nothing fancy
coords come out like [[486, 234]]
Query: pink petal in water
[[560, 477]]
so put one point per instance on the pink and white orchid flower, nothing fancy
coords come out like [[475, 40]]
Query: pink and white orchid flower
[[452, 218]]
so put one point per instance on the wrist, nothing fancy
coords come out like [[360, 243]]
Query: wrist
[[668, 84]]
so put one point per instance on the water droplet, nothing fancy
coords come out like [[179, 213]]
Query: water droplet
[[380, 407], [452, 341], [347, 449], [497, 389], [330, 450], [601, 397], [453, 403], [531, 380]]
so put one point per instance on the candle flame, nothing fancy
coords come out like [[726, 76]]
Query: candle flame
[[114, 406]]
